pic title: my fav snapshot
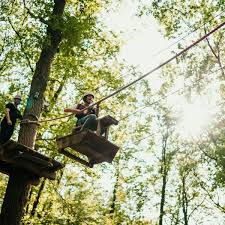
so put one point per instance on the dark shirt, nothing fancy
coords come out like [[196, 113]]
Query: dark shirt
[[14, 114], [90, 111]]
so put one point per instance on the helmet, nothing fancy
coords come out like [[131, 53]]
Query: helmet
[[86, 94], [17, 97]]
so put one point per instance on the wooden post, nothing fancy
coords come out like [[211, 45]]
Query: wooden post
[[18, 186], [16, 195]]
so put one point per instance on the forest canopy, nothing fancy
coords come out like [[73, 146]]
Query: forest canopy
[[171, 163]]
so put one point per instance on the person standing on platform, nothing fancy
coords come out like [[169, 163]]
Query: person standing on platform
[[8, 122]]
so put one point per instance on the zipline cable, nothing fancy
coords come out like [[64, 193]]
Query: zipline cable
[[161, 65], [179, 40], [164, 97], [170, 94], [146, 74]]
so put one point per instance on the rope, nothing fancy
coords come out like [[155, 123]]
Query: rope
[[25, 121], [170, 94], [176, 42], [146, 74], [162, 64], [164, 97]]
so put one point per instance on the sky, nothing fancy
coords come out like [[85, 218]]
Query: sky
[[141, 35]]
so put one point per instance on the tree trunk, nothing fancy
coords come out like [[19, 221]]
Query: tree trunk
[[184, 201], [113, 203], [162, 202], [29, 198], [16, 195], [18, 186], [164, 172]]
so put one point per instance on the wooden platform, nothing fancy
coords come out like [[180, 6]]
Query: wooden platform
[[13, 154], [97, 148]]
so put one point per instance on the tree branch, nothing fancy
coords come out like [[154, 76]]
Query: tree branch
[[33, 15], [217, 56], [21, 45], [208, 155], [217, 204], [196, 207]]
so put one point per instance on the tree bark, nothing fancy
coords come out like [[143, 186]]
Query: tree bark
[[16, 195], [164, 172], [113, 203], [184, 201], [29, 198], [18, 186]]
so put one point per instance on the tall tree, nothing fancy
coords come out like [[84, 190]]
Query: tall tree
[[46, 29], [18, 185]]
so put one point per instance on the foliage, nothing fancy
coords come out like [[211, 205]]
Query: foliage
[[156, 173]]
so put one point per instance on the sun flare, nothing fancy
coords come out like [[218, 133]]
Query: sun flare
[[194, 119]]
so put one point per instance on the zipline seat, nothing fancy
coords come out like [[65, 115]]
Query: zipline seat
[[13, 154], [93, 145]]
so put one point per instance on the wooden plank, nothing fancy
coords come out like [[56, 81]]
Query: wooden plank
[[30, 166], [5, 167], [1, 152], [99, 128], [36, 160], [72, 139], [76, 129], [10, 149], [89, 145], [22, 148], [86, 142], [16, 162], [85, 149], [103, 146], [96, 153], [44, 159], [24, 157], [103, 125], [15, 146], [56, 165], [90, 152], [68, 154], [96, 148]]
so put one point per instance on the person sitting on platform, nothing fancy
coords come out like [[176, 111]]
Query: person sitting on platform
[[86, 118], [8, 123]]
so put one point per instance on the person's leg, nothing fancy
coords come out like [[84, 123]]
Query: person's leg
[[90, 122], [5, 133]]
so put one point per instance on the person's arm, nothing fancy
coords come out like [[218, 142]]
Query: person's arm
[[8, 116], [74, 110]]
